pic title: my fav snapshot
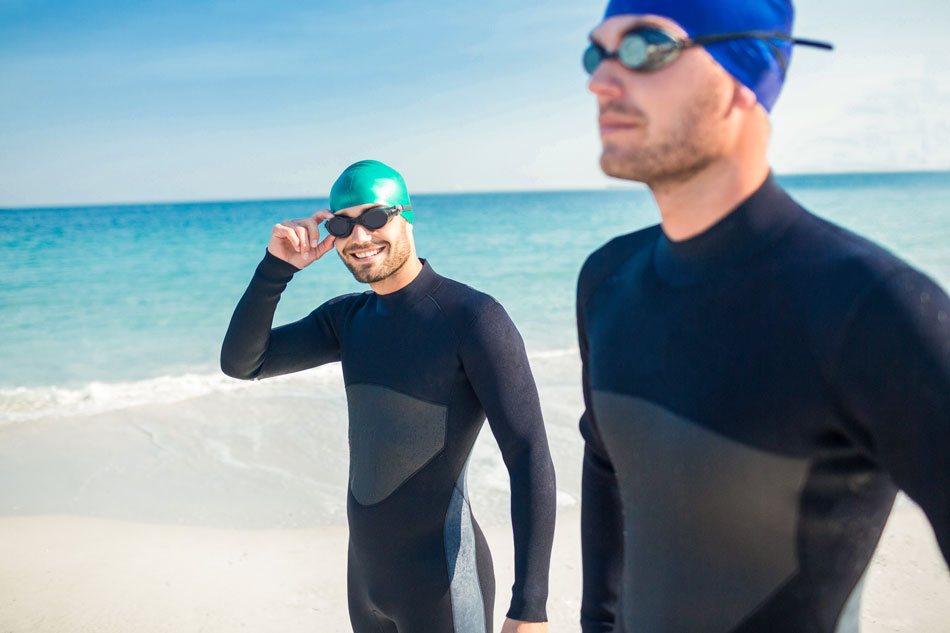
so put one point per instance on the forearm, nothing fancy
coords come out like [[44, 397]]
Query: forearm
[[247, 340], [601, 544], [533, 510]]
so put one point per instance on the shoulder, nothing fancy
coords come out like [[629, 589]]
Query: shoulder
[[481, 326], [477, 319], [844, 286], [461, 304], [606, 259], [836, 264], [342, 306], [352, 298], [834, 246]]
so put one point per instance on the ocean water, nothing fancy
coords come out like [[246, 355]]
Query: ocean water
[[111, 319]]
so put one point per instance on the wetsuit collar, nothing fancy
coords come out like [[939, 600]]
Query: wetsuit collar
[[425, 282], [749, 228]]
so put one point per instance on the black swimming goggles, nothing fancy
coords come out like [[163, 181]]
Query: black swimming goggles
[[648, 48], [372, 219]]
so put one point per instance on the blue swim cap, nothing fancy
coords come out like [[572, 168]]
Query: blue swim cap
[[751, 61]]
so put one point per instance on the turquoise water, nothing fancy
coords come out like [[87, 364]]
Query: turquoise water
[[128, 293], [111, 318]]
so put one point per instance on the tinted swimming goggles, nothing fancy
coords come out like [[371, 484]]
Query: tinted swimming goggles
[[648, 48], [372, 219]]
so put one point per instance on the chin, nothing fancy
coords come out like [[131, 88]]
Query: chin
[[378, 272], [367, 275], [619, 166]]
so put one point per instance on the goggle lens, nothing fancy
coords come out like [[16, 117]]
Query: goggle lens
[[338, 227], [592, 58], [646, 49], [643, 49]]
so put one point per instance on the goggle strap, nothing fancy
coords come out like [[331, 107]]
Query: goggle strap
[[765, 36], [702, 40]]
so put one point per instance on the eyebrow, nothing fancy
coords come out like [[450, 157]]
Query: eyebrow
[[641, 23]]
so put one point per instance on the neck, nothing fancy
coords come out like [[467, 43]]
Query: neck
[[401, 278], [691, 206]]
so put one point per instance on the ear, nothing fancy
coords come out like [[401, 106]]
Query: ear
[[743, 97]]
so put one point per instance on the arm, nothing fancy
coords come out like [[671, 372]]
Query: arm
[[601, 516], [496, 364], [251, 348], [894, 380]]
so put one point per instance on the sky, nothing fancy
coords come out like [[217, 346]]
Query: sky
[[184, 100]]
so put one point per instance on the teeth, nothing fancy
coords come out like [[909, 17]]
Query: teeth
[[366, 254]]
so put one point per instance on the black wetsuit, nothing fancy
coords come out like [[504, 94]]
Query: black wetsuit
[[754, 397], [422, 366]]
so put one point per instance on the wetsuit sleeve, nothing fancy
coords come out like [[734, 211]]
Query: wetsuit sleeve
[[253, 350], [894, 380], [494, 359], [601, 514]]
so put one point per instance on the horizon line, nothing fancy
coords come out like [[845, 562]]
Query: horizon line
[[619, 185]]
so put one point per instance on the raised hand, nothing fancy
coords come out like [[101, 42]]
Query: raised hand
[[297, 242]]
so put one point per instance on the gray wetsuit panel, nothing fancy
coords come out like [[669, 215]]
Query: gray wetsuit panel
[[392, 436], [849, 619], [708, 537], [468, 608]]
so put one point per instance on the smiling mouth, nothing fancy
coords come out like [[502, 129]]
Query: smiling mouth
[[364, 255]]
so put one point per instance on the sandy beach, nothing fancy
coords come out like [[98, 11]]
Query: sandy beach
[[225, 512], [83, 575], [99, 575]]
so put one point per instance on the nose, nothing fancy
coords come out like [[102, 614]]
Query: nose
[[603, 81], [360, 234]]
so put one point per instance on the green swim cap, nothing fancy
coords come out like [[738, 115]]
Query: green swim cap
[[370, 182]]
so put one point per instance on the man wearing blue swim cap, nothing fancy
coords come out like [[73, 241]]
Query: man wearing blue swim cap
[[758, 382], [424, 360]]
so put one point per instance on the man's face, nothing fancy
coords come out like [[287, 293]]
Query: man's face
[[663, 126], [374, 255]]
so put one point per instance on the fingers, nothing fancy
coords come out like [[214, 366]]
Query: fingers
[[303, 235], [304, 239], [286, 232], [313, 228], [313, 242], [323, 247]]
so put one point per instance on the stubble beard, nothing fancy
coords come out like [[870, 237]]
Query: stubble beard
[[397, 254], [688, 149]]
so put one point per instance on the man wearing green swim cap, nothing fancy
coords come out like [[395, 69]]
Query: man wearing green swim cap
[[385, 256], [424, 360]]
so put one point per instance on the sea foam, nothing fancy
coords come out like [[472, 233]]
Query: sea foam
[[21, 404]]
